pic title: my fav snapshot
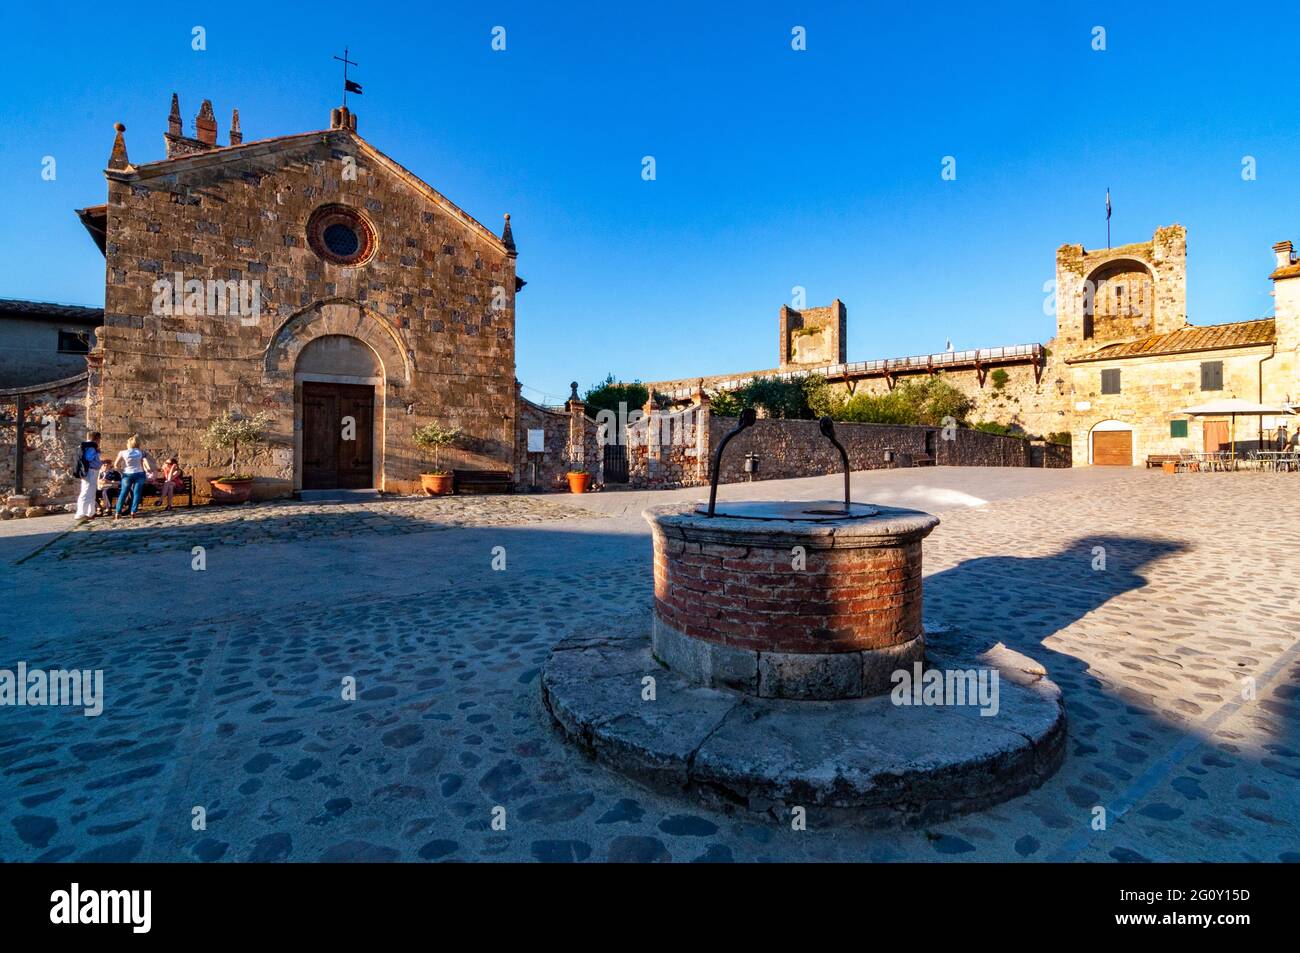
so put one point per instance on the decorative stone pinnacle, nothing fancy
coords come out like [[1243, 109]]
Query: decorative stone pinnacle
[[117, 158], [174, 117], [508, 239]]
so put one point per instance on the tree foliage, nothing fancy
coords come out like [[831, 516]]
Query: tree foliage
[[609, 393], [228, 431], [431, 438]]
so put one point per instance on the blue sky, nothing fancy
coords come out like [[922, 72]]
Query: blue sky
[[775, 168]]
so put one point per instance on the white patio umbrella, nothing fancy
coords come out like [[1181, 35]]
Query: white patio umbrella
[[1234, 407]]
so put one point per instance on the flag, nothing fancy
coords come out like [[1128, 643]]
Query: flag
[[351, 87], [1107, 198]]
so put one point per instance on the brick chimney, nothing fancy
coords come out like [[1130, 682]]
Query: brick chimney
[[1285, 256], [343, 118], [205, 125], [1286, 298]]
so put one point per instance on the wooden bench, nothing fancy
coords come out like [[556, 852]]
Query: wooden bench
[[1159, 459], [149, 488], [483, 481]]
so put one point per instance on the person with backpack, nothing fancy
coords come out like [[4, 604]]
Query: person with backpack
[[87, 471]]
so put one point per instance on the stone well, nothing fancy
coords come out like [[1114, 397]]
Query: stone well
[[788, 600], [781, 667]]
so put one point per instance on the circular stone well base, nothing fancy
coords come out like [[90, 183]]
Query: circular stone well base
[[861, 760]]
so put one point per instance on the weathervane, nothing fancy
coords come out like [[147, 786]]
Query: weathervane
[[348, 85]]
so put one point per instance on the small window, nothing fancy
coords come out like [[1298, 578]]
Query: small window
[[1110, 381], [1211, 375], [74, 342], [1178, 428]]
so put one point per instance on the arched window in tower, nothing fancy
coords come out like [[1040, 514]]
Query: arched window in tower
[[1120, 298]]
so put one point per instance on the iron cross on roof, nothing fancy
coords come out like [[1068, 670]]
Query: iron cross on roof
[[348, 85]]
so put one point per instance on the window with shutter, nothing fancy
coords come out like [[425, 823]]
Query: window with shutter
[[1211, 375], [1110, 381]]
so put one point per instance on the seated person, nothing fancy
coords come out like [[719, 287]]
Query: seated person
[[169, 482], [108, 481]]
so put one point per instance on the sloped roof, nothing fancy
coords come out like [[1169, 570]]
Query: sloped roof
[[1212, 337], [48, 311]]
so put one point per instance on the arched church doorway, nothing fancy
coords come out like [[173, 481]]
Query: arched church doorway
[[339, 381]]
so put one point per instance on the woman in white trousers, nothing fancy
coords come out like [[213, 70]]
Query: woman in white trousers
[[89, 467]]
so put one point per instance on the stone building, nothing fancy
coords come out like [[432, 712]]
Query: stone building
[[1130, 361], [310, 277], [42, 342], [1123, 363]]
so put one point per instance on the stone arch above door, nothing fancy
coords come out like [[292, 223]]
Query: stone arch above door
[[345, 318]]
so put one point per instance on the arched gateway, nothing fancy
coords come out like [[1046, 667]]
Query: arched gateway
[[338, 386], [347, 368]]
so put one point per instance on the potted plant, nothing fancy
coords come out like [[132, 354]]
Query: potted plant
[[431, 438], [579, 480], [227, 432]]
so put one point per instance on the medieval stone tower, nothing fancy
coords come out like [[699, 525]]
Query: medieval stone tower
[[1120, 294], [813, 337]]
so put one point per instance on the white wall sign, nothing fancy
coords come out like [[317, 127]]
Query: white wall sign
[[536, 441]]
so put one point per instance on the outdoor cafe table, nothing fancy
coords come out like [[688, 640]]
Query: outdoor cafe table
[[1214, 460], [1278, 459]]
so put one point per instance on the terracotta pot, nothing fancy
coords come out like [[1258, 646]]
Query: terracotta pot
[[436, 484], [1169, 466], [232, 491], [578, 482]]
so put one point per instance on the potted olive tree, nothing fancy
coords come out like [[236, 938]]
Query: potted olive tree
[[227, 433], [431, 438]]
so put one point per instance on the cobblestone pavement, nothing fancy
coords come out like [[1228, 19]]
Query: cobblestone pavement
[[1149, 598], [292, 521]]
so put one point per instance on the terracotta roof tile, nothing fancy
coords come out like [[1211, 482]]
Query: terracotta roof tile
[[1211, 337]]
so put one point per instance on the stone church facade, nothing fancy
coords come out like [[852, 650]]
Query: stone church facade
[[311, 278]]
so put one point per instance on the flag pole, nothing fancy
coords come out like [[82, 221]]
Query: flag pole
[[1107, 217]]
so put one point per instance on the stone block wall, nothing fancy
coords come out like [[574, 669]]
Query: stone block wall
[[669, 448], [796, 448], [1035, 404], [50, 453], [554, 461]]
